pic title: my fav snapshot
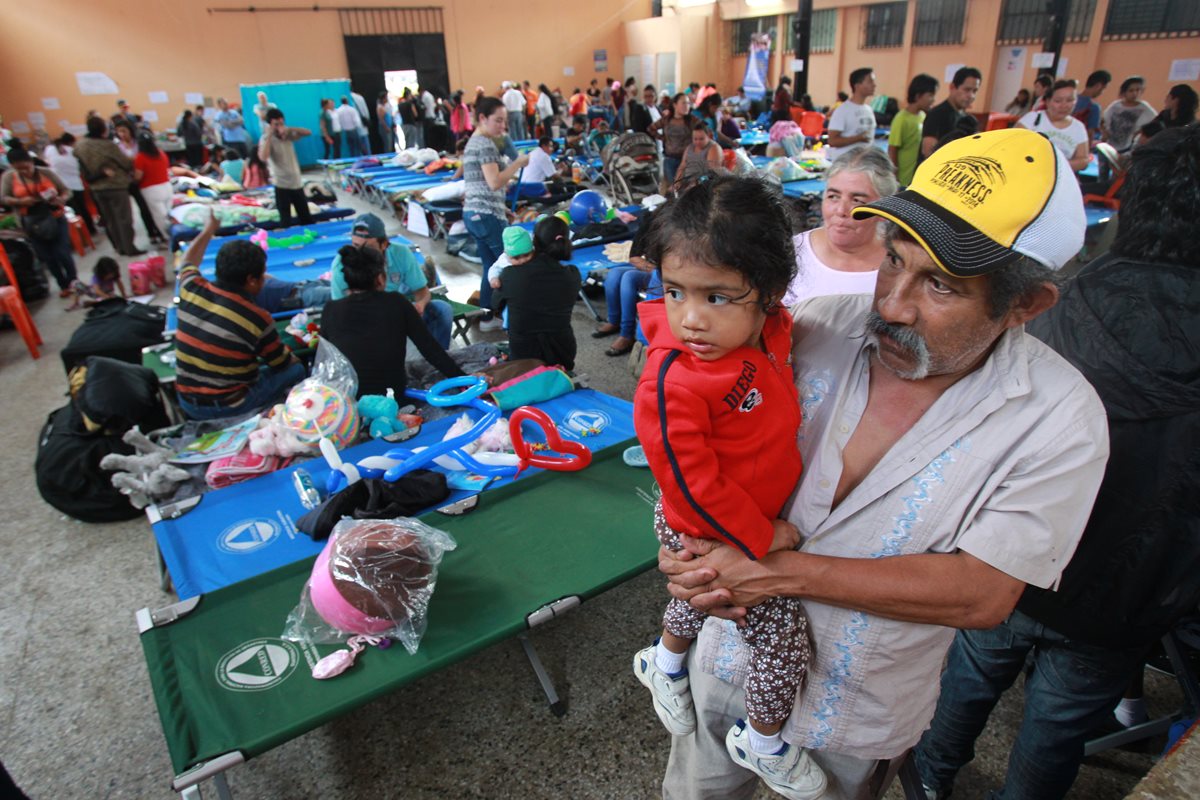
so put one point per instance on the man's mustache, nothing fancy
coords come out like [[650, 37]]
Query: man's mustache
[[902, 335]]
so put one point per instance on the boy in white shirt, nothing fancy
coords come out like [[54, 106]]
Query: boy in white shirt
[[853, 122]]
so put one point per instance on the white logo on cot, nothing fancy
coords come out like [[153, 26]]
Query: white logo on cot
[[257, 665], [752, 399], [585, 422], [248, 535]]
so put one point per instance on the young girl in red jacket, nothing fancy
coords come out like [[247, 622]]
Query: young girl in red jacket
[[717, 414]]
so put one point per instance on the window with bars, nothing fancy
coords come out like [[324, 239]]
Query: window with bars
[[885, 25], [939, 22], [822, 32], [1028, 21], [1152, 19], [744, 28]]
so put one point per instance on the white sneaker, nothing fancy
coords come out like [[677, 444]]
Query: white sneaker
[[493, 324], [672, 696], [792, 773]]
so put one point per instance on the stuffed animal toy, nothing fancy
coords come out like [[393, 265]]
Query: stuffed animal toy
[[381, 414], [148, 475], [273, 438]]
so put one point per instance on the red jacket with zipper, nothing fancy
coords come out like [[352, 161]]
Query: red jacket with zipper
[[720, 435]]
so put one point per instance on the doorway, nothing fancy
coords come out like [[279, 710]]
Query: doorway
[[371, 58]]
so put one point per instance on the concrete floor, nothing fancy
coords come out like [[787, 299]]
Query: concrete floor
[[77, 718]]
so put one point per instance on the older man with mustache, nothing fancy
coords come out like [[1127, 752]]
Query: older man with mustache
[[950, 459]]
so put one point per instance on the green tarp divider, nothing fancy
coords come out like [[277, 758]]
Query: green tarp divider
[[224, 681]]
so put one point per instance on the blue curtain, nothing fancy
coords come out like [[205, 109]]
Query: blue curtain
[[300, 102]]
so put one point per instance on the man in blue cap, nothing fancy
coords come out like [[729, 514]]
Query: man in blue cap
[[404, 275]]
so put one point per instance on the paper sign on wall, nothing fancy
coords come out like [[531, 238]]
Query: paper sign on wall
[[948, 78], [77, 130], [65, 124], [194, 98], [1062, 67], [150, 116], [95, 83], [568, 70], [1185, 69], [20, 126], [797, 65], [50, 103], [1042, 60], [37, 119], [158, 97]]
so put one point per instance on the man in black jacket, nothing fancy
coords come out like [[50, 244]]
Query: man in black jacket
[[1130, 322]]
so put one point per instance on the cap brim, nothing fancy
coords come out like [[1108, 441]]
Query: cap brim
[[958, 248]]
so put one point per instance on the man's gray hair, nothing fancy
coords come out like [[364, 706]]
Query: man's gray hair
[[1007, 285], [871, 162]]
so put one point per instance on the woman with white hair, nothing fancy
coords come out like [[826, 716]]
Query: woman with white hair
[[843, 255]]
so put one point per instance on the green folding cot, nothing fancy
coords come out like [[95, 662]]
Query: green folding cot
[[228, 688]]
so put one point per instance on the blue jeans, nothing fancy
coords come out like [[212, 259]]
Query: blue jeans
[[57, 255], [670, 168], [516, 126], [350, 143], [621, 288], [1071, 688], [272, 387], [487, 231], [438, 317]]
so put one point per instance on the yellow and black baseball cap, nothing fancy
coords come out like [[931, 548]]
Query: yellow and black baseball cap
[[981, 202]]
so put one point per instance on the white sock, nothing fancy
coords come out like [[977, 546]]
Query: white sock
[[667, 661], [1131, 711], [764, 744]]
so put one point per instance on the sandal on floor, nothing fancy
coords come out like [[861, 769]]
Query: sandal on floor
[[600, 333]]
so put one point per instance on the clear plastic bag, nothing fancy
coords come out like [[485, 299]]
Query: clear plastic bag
[[332, 368], [375, 578]]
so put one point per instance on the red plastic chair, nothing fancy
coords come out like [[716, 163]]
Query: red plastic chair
[[12, 304], [999, 122], [1106, 152], [812, 124], [81, 238]]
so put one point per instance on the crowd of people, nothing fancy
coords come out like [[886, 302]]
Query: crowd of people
[[882, 436]]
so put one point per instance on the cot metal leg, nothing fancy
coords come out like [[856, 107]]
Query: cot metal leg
[[589, 305], [222, 784], [557, 706], [538, 617]]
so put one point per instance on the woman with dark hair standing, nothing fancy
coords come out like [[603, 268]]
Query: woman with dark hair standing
[[547, 109], [540, 295], [192, 134], [152, 169], [39, 196], [460, 116], [127, 141], [675, 131], [484, 210]]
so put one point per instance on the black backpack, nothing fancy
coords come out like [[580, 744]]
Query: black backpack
[[68, 469], [117, 329], [32, 280]]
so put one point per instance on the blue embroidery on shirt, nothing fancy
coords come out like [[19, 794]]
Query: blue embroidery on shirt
[[829, 706], [813, 391], [935, 473], [727, 652]]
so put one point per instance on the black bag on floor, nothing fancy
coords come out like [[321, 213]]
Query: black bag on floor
[[117, 329], [31, 278], [68, 469]]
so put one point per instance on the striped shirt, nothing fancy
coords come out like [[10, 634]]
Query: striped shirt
[[222, 335]]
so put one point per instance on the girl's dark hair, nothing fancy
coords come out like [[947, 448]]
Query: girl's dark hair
[[552, 237], [1066, 83], [67, 139], [361, 267], [97, 128], [1158, 200], [486, 106], [107, 267], [147, 145], [729, 222], [255, 159], [18, 155]]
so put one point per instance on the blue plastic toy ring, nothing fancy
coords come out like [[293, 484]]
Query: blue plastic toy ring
[[436, 396]]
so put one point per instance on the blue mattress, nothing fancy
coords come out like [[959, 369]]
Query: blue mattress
[[247, 529]]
